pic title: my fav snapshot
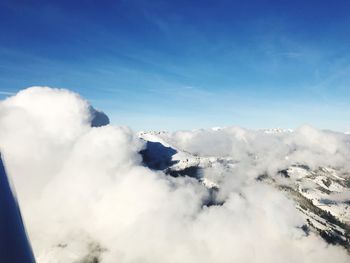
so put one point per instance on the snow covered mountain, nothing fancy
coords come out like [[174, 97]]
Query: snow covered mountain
[[321, 195]]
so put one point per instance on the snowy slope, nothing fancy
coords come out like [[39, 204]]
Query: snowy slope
[[322, 195]]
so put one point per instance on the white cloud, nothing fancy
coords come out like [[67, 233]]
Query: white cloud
[[79, 186]]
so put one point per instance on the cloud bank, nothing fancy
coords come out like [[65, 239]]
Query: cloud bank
[[85, 194]]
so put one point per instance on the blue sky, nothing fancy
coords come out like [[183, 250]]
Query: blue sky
[[186, 64]]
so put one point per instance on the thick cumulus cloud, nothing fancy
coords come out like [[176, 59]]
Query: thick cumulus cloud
[[84, 192]]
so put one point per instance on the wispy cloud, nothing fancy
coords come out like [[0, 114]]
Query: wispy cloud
[[2, 92]]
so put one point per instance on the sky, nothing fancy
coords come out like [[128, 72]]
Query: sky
[[170, 65]]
